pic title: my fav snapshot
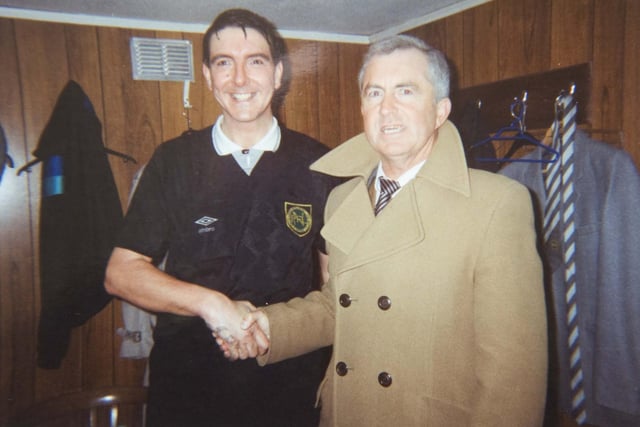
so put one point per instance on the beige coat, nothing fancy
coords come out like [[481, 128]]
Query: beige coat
[[463, 339]]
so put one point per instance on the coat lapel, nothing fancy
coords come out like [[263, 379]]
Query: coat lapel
[[355, 230]]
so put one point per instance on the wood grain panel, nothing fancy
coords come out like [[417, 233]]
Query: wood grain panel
[[132, 108], [608, 61], [571, 22], [84, 63], [454, 47], [631, 80], [329, 109], [434, 35], [480, 45], [349, 62], [301, 104], [523, 37], [98, 349], [42, 55], [17, 281]]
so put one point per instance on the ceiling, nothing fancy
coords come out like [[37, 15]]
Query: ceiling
[[356, 21]]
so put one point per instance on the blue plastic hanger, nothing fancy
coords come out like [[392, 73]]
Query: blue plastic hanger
[[516, 133]]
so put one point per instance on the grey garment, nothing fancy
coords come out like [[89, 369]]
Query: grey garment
[[137, 332], [607, 184]]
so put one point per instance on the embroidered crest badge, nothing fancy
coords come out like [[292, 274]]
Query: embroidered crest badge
[[298, 218]]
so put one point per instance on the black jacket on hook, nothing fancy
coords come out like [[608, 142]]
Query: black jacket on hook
[[79, 214]]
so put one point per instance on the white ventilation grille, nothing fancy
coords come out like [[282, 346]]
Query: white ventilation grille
[[161, 59]]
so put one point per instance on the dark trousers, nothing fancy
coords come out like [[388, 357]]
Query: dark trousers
[[193, 385]]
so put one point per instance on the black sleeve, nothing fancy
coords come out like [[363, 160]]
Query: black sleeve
[[146, 224]]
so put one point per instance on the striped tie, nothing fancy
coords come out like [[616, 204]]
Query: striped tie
[[560, 211], [387, 188]]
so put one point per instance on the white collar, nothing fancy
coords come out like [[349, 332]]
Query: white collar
[[404, 178], [223, 145]]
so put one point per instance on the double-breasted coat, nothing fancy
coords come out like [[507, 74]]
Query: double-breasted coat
[[435, 307]]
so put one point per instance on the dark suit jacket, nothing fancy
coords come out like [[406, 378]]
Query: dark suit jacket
[[79, 215]]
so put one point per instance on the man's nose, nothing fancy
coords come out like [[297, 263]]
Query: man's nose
[[387, 104], [240, 76]]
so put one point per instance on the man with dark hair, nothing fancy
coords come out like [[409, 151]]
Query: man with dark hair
[[237, 212], [241, 19]]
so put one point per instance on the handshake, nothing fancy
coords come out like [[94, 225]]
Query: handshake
[[241, 330]]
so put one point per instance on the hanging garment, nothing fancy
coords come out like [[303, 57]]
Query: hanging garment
[[137, 333], [473, 129], [80, 213], [607, 186], [559, 220], [5, 159]]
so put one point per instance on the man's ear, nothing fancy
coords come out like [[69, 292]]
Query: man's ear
[[443, 109], [207, 75], [277, 74]]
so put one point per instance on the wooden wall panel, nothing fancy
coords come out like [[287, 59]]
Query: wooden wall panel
[[17, 274], [349, 62], [301, 102], [536, 36], [328, 102], [132, 120], [98, 350], [454, 47], [523, 37], [480, 46], [435, 34], [84, 62], [631, 80], [571, 21], [608, 61]]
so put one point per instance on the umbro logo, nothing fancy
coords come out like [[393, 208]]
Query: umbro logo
[[206, 220]]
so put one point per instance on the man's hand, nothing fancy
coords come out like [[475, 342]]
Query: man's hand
[[256, 323], [225, 318], [157, 291]]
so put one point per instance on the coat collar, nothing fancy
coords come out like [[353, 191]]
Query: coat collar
[[351, 225], [446, 166]]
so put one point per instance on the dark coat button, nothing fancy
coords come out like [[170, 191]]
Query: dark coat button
[[345, 300], [384, 379], [384, 303], [341, 369]]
